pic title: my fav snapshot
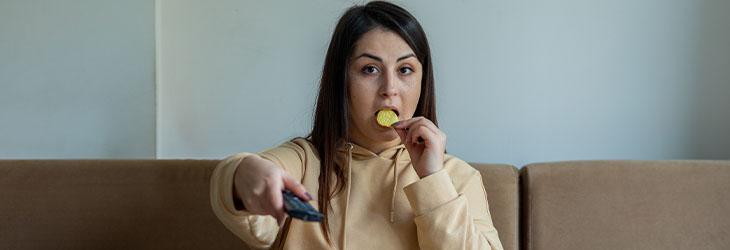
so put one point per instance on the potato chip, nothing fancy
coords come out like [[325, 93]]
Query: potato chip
[[386, 117]]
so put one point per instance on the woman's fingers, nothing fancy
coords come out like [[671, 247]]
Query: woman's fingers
[[276, 199], [418, 127], [407, 122], [405, 126], [297, 188], [260, 187], [422, 131], [422, 134], [412, 123], [436, 133]]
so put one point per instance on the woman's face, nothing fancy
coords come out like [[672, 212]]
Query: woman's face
[[383, 73]]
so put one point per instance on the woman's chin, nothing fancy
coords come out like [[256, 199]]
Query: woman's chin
[[388, 136], [384, 134]]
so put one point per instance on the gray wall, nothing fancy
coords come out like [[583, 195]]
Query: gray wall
[[517, 81], [77, 79], [238, 75]]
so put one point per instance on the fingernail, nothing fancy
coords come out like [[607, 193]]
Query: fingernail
[[395, 124], [309, 195]]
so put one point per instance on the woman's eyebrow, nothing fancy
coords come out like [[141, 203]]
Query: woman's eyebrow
[[376, 58], [370, 56], [406, 56]]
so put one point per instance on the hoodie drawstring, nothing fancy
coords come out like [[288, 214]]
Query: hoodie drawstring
[[395, 185]]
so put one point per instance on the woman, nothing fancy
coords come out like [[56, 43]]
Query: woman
[[388, 187]]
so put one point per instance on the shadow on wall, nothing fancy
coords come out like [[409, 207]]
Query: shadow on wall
[[711, 128]]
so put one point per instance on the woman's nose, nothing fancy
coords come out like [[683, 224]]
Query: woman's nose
[[390, 86]]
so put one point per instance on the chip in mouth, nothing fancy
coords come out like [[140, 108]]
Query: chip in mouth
[[386, 117]]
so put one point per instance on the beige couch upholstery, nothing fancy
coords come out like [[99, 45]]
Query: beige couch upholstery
[[150, 204], [626, 205]]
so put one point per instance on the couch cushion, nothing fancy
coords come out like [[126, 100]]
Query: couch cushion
[[501, 183], [109, 204], [627, 205]]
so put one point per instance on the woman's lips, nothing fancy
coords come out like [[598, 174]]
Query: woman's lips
[[394, 110]]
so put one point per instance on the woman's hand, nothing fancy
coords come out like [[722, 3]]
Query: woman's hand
[[427, 156], [259, 182]]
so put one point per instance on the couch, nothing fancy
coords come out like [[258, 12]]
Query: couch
[[626, 205], [164, 204]]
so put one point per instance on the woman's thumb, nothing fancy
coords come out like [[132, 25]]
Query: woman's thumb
[[401, 134]]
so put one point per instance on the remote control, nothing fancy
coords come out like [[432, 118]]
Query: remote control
[[296, 208]]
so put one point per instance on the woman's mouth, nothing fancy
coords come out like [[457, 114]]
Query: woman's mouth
[[386, 117], [394, 110]]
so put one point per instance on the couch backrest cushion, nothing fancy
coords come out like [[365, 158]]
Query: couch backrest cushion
[[626, 205], [502, 183], [109, 204]]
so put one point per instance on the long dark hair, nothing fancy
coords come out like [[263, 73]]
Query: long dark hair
[[331, 116]]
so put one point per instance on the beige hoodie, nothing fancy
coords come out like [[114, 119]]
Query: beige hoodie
[[384, 204]]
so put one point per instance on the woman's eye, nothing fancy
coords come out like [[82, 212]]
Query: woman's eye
[[370, 70], [406, 70]]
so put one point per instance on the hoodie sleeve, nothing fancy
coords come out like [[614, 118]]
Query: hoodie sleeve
[[257, 231], [447, 218]]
